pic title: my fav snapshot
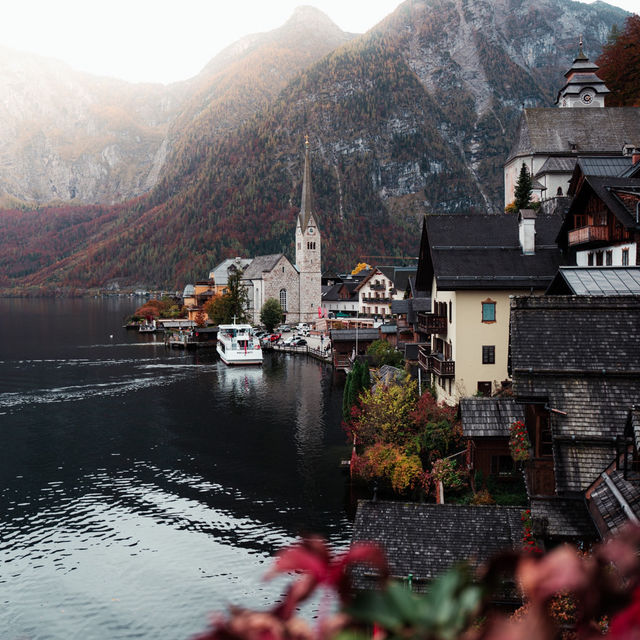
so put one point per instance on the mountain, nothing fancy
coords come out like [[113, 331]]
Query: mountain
[[416, 115], [72, 137]]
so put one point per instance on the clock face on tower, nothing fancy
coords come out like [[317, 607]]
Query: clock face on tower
[[587, 97], [311, 230]]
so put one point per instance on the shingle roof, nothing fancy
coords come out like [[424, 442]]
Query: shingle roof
[[489, 417], [586, 333], [596, 281], [483, 251], [613, 499], [427, 539], [557, 131], [259, 265], [562, 517]]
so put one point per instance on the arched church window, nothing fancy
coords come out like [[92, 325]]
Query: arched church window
[[559, 191], [283, 299]]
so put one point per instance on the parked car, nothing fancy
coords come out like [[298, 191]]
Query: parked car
[[298, 342], [274, 337], [284, 328], [287, 341]]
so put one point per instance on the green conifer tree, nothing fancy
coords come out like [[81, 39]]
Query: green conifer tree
[[524, 189]]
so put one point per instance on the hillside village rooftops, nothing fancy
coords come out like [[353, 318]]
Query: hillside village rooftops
[[565, 131]]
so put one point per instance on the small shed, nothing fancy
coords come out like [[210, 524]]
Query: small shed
[[346, 342], [486, 422]]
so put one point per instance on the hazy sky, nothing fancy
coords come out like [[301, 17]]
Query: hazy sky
[[163, 40]]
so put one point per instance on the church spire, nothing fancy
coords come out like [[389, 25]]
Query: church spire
[[306, 208]]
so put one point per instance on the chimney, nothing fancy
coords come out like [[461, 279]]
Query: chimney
[[635, 155], [527, 231]]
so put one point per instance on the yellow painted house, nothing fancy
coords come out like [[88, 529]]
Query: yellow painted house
[[470, 265]]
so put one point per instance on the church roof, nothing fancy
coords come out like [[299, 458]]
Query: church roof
[[576, 131], [260, 264], [306, 207]]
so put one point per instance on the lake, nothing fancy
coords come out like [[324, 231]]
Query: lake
[[142, 488]]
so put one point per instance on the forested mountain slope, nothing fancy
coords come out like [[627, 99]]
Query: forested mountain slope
[[416, 115]]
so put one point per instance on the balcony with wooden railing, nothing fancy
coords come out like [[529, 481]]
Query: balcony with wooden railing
[[435, 363], [441, 367], [374, 300], [432, 323], [592, 233]]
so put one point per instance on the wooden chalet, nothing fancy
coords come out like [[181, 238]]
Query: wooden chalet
[[602, 225], [576, 371], [486, 425]]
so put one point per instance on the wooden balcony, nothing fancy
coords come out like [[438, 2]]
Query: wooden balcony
[[434, 363], [585, 235], [432, 323], [443, 368], [374, 300]]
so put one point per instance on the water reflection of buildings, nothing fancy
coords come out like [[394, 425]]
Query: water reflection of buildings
[[309, 421]]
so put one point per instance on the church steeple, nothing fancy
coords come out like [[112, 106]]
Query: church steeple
[[308, 248], [583, 88], [306, 207]]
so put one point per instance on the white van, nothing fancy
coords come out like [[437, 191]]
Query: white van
[[302, 328]]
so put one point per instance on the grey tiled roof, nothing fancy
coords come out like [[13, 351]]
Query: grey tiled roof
[[578, 464], [587, 333], [259, 265], [557, 164], [596, 281], [427, 539], [483, 251], [593, 131], [489, 417], [562, 517]]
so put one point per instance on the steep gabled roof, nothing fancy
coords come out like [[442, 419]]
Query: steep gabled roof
[[594, 131], [260, 265], [483, 252], [307, 205]]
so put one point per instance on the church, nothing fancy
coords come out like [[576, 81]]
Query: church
[[550, 141], [297, 287]]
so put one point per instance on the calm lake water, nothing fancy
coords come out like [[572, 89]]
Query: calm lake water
[[142, 489]]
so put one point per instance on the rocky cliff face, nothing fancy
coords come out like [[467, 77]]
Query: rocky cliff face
[[69, 136]]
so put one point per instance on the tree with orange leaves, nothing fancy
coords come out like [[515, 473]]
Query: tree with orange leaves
[[620, 65]]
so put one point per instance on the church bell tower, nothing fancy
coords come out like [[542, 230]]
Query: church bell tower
[[308, 248]]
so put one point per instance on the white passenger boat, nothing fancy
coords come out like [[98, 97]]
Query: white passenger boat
[[238, 345]]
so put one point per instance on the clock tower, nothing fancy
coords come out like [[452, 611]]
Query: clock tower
[[583, 88], [308, 248]]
